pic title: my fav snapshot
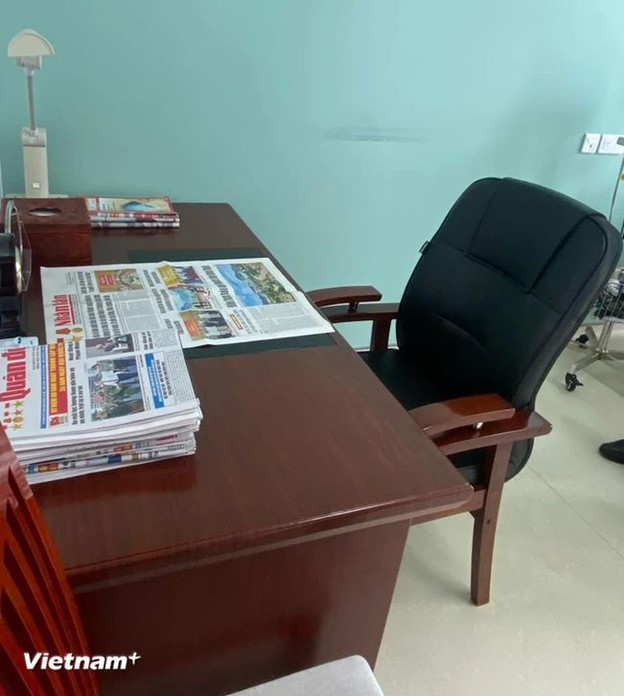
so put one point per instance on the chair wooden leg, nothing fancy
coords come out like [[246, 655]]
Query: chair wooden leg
[[380, 335], [485, 521]]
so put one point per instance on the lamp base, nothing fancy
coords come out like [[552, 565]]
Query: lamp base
[[34, 144]]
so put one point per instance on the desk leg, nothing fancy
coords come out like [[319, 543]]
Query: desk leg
[[224, 626]]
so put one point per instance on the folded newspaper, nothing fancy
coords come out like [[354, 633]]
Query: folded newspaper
[[206, 302], [78, 406]]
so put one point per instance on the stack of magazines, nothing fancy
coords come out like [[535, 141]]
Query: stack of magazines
[[76, 407], [132, 212]]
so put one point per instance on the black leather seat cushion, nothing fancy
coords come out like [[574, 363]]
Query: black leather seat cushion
[[402, 376], [412, 387]]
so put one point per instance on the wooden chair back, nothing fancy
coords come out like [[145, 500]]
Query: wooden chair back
[[37, 609]]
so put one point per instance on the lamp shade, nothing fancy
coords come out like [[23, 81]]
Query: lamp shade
[[29, 44]]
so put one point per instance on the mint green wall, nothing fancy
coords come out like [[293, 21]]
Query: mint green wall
[[341, 130]]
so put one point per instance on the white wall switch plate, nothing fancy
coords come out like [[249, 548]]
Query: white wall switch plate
[[609, 145], [590, 143]]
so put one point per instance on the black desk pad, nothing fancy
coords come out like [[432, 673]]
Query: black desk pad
[[156, 255]]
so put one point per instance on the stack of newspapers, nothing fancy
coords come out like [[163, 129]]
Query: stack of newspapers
[[76, 407], [132, 212]]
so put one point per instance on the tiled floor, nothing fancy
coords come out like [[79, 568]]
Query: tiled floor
[[555, 624]]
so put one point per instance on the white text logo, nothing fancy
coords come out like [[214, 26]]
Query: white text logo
[[70, 661]]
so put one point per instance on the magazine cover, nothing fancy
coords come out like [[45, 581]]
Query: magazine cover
[[132, 208]]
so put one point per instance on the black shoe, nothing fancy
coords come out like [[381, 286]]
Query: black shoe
[[613, 451]]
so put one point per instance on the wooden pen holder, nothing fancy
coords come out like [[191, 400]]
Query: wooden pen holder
[[58, 229]]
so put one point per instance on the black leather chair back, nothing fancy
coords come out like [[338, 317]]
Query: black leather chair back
[[503, 285]]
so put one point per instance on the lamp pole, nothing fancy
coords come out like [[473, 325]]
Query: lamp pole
[[28, 48]]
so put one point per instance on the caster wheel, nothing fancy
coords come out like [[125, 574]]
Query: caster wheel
[[572, 382], [582, 339]]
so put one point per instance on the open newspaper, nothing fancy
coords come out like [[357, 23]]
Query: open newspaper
[[206, 302], [77, 406]]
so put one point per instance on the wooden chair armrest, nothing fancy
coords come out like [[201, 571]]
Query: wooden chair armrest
[[523, 425], [349, 294], [384, 311], [381, 315], [343, 304], [459, 413]]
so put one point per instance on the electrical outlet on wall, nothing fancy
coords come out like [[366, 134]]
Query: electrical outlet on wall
[[609, 145], [590, 143]]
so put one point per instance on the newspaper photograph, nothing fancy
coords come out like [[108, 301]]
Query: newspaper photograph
[[205, 302], [67, 388]]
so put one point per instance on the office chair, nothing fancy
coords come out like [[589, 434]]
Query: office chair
[[496, 295]]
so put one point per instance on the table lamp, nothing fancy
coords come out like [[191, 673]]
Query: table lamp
[[28, 47]]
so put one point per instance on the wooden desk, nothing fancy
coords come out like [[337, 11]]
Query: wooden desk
[[274, 548]]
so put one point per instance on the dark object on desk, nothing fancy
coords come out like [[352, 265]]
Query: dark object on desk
[[498, 293], [37, 609], [15, 268], [59, 231]]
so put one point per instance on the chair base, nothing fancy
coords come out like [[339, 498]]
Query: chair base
[[597, 349]]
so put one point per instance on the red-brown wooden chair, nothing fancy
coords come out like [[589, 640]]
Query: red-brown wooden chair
[[37, 608], [497, 294]]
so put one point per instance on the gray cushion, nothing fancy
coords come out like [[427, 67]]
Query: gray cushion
[[349, 677]]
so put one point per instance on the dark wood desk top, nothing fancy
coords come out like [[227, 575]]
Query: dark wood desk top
[[294, 443]]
